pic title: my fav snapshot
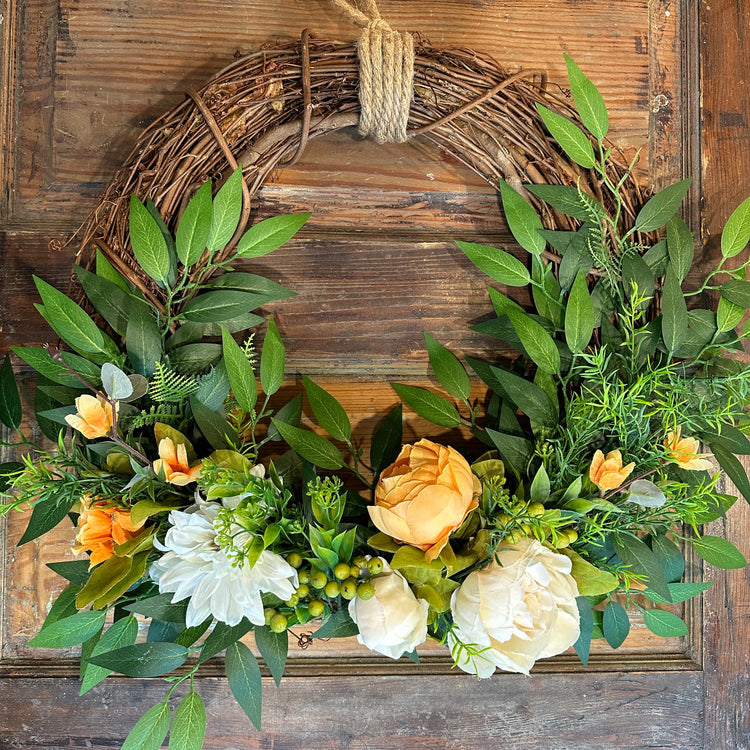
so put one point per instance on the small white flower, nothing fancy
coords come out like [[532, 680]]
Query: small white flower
[[517, 612], [393, 622], [195, 566]]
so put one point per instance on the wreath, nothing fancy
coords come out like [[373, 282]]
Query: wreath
[[585, 484]]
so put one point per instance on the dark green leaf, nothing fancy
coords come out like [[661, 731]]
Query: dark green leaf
[[656, 258], [143, 340], [546, 293], [448, 369], [571, 138], [214, 388], [338, 625], [680, 246], [194, 226], [497, 264], [615, 624], [579, 315], [233, 325], [46, 515], [527, 396], [733, 468], [429, 405], [588, 100], [151, 729], [70, 631], [314, 448], [674, 323], [680, 592], [272, 360], [244, 679], [668, 557], [731, 439], [291, 413], [119, 634], [240, 372], [227, 208], [516, 451], [638, 556], [160, 607], [106, 270], [43, 363], [719, 552], [75, 571], [194, 359], [577, 257], [189, 725], [536, 341], [215, 428], [273, 648], [149, 245], [270, 234], [564, 198], [635, 272], [664, 624], [110, 301], [736, 232], [223, 636], [662, 207], [64, 606], [222, 305], [728, 315], [523, 221], [586, 623], [386, 440], [11, 411], [143, 659], [249, 282], [6, 469], [737, 291], [328, 411]]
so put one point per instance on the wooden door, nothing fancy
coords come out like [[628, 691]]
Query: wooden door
[[375, 266]]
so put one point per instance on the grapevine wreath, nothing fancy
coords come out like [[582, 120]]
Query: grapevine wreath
[[585, 486]]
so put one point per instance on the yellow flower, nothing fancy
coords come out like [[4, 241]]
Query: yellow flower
[[424, 496], [173, 462], [101, 527], [684, 452], [609, 473], [93, 418]]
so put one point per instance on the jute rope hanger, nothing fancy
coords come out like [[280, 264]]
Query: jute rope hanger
[[386, 73]]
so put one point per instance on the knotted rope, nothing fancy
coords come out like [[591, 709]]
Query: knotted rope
[[386, 73]]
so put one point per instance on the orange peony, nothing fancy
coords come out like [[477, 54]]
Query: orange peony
[[609, 473], [173, 461], [684, 452], [424, 496], [93, 418], [101, 527]]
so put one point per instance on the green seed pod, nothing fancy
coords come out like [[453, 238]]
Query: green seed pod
[[316, 608], [365, 590], [332, 589], [269, 614], [304, 576], [349, 588], [318, 579], [303, 591], [295, 559], [375, 566], [342, 571]]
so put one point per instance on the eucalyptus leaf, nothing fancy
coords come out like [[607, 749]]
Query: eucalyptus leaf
[[645, 493], [115, 382]]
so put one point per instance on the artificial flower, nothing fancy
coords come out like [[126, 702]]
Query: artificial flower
[[424, 496], [101, 527], [684, 452], [173, 461], [93, 417], [394, 621], [520, 608], [194, 566], [609, 473]]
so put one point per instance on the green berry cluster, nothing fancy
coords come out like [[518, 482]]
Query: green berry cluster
[[520, 519]]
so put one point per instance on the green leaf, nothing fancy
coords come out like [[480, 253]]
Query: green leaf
[[571, 138], [213, 425], [272, 360], [143, 340], [121, 633], [269, 234], [731, 439], [635, 271], [736, 291], [664, 624], [497, 264], [586, 623], [149, 245], [674, 323], [668, 557], [448, 369], [214, 387], [110, 301], [291, 413], [143, 659], [11, 410], [220, 306], [662, 207], [227, 208], [223, 636], [315, 448], [537, 342], [273, 648], [736, 232], [527, 396], [429, 405], [45, 516], [240, 373], [194, 359], [328, 411], [338, 625], [523, 221], [719, 552], [733, 468], [616, 624], [516, 451], [115, 382], [638, 556], [249, 282], [75, 571], [194, 226], [41, 360], [386, 440], [64, 606], [680, 246], [579, 315], [189, 725], [680, 592], [728, 315], [70, 631], [105, 270], [567, 199], [588, 100], [150, 730], [70, 322], [244, 679], [592, 581]]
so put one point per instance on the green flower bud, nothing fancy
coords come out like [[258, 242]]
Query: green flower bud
[[278, 623]]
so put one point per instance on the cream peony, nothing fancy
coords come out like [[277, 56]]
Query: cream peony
[[195, 567], [519, 611], [393, 622]]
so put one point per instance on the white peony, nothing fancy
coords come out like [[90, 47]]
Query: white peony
[[519, 611], [195, 566], [393, 622]]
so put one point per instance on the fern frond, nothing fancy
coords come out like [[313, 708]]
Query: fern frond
[[170, 414], [167, 386]]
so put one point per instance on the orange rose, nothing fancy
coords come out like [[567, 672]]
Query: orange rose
[[424, 496], [173, 461], [101, 527], [94, 417], [684, 452], [609, 473]]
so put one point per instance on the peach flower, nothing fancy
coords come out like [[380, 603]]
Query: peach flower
[[684, 452], [609, 473], [424, 496], [101, 527], [93, 417], [173, 462]]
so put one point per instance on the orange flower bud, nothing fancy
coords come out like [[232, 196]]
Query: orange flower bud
[[609, 473], [173, 462], [684, 452], [94, 417]]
